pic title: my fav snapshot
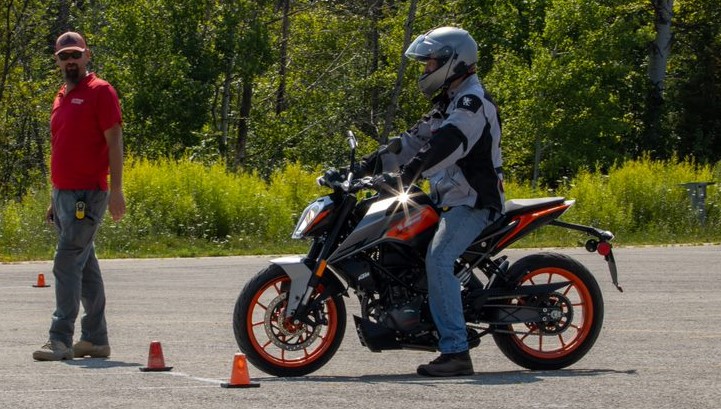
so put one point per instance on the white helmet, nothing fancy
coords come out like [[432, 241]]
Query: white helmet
[[455, 50]]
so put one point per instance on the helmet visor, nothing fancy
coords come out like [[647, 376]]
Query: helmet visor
[[424, 48]]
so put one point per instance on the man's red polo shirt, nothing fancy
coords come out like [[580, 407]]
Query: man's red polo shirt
[[79, 155]]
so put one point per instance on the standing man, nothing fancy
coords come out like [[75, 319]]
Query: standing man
[[457, 146], [87, 140]]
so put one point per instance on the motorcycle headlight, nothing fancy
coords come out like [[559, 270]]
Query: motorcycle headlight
[[312, 216]]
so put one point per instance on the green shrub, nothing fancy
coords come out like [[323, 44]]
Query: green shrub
[[23, 229], [292, 190], [184, 208], [643, 201]]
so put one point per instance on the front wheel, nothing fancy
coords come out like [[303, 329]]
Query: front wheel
[[275, 344], [557, 344]]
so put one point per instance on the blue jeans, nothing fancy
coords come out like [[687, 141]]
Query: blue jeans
[[457, 229], [76, 269]]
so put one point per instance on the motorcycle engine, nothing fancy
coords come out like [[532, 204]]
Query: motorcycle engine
[[385, 300], [405, 317]]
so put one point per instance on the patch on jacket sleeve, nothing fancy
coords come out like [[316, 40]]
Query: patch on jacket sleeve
[[469, 102]]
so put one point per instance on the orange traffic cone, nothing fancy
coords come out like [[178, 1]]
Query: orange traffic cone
[[156, 362], [239, 375], [41, 281]]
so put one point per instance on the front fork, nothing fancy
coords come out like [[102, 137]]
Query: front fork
[[304, 280], [301, 283]]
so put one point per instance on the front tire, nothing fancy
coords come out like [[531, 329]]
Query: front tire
[[274, 344], [562, 343]]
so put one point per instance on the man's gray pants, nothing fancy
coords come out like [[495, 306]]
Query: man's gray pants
[[76, 269]]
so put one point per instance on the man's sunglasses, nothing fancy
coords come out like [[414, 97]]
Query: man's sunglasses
[[74, 55]]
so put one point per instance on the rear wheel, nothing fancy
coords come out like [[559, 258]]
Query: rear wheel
[[573, 331], [275, 344]]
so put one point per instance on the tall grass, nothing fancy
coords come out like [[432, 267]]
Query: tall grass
[[186, 208], [23, 232], [645, 201], [183, 208], [641, 201]]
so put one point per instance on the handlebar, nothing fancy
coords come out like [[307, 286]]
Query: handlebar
[[345, 184]]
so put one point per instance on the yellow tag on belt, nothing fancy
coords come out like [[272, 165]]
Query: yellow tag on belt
[[80, 210]]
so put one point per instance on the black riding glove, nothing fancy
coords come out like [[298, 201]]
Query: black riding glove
[[411, 171], [330, 178], [389, 182], [360, 169]]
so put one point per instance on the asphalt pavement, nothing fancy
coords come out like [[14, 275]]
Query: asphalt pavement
[[660, 346]]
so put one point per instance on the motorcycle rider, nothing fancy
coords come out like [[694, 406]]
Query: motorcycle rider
[[457, 147]]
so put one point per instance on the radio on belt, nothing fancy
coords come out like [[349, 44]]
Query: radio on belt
[[80, 210]]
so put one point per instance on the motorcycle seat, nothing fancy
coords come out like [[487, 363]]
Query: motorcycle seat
[[516, 206]]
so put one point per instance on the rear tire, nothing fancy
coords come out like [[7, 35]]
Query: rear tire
[[564, 342], [274, 344]]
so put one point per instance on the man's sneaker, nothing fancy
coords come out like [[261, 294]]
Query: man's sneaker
[[85, 348], [458, 364], [53, 351]]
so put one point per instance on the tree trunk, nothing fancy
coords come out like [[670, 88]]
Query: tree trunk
[[62, 20], [375, 10], [40, 142], [280, 102], [537, 162], [6, 47], [245, 106], [393, 105], [660, 49], [225, 108], [13, 26]]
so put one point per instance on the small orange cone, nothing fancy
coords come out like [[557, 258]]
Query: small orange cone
[[41, 281], [239, 375], [156, 362]]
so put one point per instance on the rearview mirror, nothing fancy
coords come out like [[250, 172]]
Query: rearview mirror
[[352, 141]]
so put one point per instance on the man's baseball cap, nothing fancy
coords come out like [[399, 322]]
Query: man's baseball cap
[[70, 41]]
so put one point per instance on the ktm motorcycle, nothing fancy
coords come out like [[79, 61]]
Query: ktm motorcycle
[[544, 311]]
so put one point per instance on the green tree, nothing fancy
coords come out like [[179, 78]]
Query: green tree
[[659, 54], [261, 84], [325, 66], [576, 104], [26, 89], [694, 84], [160, 59], [243, 47]]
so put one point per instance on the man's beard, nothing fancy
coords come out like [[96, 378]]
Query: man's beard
[[72, 74]]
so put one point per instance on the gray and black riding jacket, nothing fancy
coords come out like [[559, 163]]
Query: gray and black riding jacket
[[457, 147]]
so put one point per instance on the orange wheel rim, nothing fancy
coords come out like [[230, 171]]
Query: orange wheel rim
[[534, 341], [281, 342]]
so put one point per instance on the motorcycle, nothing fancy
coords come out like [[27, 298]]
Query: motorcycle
[[544, 311]]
